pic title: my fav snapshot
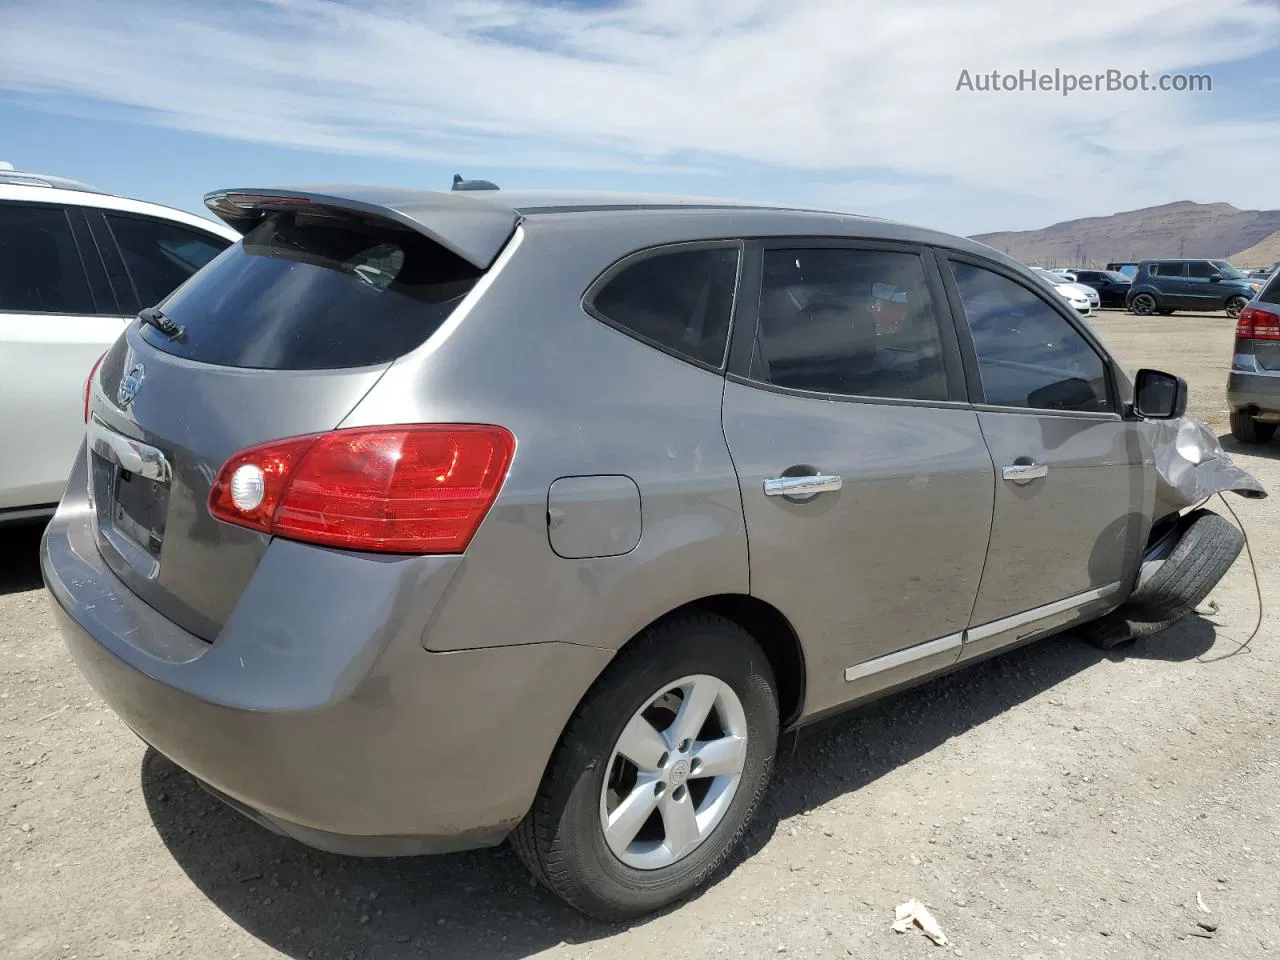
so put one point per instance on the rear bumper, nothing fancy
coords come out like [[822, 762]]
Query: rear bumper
[[317, 711], [1257, 393]]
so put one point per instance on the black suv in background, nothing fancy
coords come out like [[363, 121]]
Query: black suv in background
[[1162, 286], [1112, 286]]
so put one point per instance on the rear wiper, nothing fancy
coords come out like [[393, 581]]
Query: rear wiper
[[153, 316]]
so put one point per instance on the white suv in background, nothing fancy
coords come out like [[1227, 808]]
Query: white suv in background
[[75, 266]]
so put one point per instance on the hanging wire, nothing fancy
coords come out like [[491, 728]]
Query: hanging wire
[[1257, 586]]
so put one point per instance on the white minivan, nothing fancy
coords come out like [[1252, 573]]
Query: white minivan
[[76, 265]]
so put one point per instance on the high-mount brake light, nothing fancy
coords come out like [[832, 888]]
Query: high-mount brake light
[[417, 488]]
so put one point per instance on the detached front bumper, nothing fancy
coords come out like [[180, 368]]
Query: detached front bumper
[[317, 711]]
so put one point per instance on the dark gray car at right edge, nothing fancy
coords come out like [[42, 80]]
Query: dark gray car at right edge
[[1253, 386], [417, 522]]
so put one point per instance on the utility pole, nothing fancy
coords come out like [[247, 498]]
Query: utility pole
[[1182, 245]]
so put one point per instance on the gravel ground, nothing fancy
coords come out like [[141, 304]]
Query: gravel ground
[[1053, 803]]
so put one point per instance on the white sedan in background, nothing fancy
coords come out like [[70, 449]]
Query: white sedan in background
[[1084, 299], [76, 265]]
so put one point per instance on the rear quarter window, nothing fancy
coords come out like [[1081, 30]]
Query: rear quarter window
[[677, 299], [303, 291]]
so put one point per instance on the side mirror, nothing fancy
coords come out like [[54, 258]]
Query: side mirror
[[1215, 278], [1159, 396]]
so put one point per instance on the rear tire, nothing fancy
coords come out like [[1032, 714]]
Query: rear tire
[[1248, 430], [563, 838]]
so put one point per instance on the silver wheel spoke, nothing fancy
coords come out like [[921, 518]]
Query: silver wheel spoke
[[698, 701], [630, 815], [681, 822], [718, 758], [641, 744], [650, 770]]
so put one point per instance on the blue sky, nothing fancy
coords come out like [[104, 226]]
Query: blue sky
[[847, 104]]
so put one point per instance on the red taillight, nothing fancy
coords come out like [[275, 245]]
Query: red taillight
[[402, 489], [1255, 324], [88, 385]]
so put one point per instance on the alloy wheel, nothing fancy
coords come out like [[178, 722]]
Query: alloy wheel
[[673, 772], [1144, 304]]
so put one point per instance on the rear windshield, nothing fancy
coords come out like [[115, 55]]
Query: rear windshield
[[304, 291], [1271, 292]]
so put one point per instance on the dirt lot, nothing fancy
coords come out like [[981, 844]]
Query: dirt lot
[[1053, 803]]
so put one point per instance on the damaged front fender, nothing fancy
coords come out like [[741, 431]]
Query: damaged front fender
[[1191, 466]]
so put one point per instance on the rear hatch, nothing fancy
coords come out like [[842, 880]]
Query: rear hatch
[[279, 336], [1258, 327]]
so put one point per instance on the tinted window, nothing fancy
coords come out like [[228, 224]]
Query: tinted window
[[40, 268], [160, 256], [306, 292], [1167, 269], [681, 300], [1271, 292], [848, 322], [1028, 354], [1200, 269]]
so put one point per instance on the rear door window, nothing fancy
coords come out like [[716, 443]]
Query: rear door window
[[40, 266], [849, 322], [160, 255], [306, 291], [1168, 269], [680, 300]]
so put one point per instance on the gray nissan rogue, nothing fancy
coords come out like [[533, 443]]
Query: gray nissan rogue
[[421, 521]]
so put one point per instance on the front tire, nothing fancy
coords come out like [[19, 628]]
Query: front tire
[[1248, 430], [1144, 305], [1235, 305], [659, 773]]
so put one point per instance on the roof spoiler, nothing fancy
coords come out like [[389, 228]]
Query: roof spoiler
[[475, 226]]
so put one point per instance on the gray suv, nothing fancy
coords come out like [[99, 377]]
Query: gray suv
[[419, 521], [1253, 386]]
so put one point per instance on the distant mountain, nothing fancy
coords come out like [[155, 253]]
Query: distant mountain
[[1262, 254], [1182, 229]]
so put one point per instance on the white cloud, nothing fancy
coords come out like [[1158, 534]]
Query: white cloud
[[830, 90]]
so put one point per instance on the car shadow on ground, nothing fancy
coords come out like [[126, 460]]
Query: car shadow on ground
[[1233, 446], [483, 905], [20, 557]]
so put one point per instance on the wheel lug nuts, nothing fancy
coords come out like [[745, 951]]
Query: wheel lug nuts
[[662, 760]]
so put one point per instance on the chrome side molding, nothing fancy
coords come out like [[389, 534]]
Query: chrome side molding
[[901, 658], [956, 641]]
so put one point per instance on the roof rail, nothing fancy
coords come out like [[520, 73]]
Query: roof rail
[[21, 178]]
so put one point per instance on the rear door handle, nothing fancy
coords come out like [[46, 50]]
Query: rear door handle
[[801, 486], [1021, 473]]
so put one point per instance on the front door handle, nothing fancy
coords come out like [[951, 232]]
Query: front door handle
[[809, 486], [1021, 473]]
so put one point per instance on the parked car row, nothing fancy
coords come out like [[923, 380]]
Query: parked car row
[[76, 265], [1161, 287]]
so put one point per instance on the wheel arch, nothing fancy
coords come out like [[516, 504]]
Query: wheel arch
[[770, 628]]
